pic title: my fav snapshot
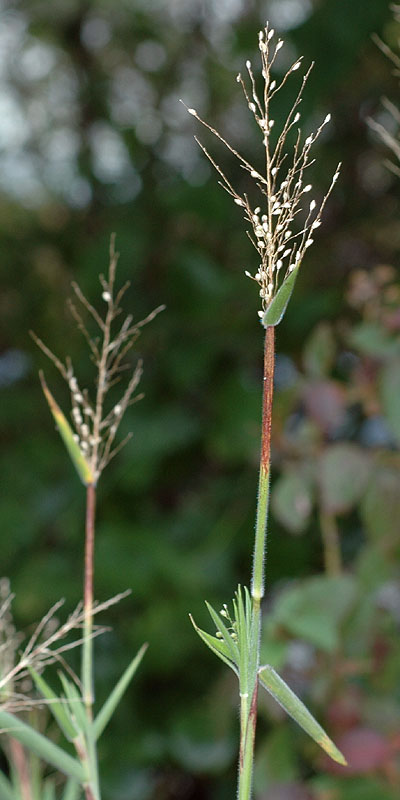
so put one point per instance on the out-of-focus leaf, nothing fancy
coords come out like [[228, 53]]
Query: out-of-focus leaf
[[274, 648], [352, 788], [390, 395], [291, 501], [365, 750], [315, 609], [79, 461], [325, 402], [343, 472], [277, 307], [319, 351], [276, 760], [372, 339], [380, 507], [292, 704]]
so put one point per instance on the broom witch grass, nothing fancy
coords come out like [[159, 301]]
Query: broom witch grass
[[282, 222], [90, 438]]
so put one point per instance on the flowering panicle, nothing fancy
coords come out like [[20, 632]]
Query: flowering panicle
[[283, 186], [94, 428]]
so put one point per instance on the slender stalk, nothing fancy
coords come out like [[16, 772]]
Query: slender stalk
[[20, 763], [87, 649], [248, 715], [92, 790], [257, 587], [331, 543]]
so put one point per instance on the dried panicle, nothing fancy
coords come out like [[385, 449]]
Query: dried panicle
[[283, 187], [95, 427], [389, 138], [47, 645]]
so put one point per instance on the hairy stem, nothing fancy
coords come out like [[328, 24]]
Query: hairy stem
[[248, 720], [257, 587], [248, 715]]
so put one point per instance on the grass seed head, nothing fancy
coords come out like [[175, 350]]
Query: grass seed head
[[279, 243]]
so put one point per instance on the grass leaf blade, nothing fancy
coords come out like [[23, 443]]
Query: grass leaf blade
[[56, 707], [72, 790], [6, 790], [293, 706], [41, 746], [111, 703], [79, 461], [278, 304], [217, 646]]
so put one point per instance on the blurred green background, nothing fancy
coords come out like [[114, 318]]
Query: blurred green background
[[93, 140]]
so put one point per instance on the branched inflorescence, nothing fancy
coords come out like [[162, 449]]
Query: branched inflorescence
[[389, 138], [95, 427], [47, 644], [279, 239]]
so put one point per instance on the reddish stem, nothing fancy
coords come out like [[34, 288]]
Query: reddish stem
[[89, 547], [268, 391], [87, 667], [18, 756]]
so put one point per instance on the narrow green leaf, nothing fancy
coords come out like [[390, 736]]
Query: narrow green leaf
[[6, 790], [41, 746], [278, 304], [293, 706], [111, 703], [217, 646], [72, 790], [221, 627], [81, 465], [55, 705], [76, 707], [243, 626], [49, 790]]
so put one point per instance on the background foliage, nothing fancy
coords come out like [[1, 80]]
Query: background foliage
[[94, 140]]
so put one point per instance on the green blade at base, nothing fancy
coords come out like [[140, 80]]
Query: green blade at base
[[277, 307], [79, 461], [217, 646], [293, 706]]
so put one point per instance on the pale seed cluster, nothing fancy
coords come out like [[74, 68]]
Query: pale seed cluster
[[284, 222], [232, 625], [95, 427]]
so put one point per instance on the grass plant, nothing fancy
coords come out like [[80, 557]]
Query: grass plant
[[90, 441], [282, 223]]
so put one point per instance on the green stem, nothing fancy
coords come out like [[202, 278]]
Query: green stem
[[248, 714], [92, 790]]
